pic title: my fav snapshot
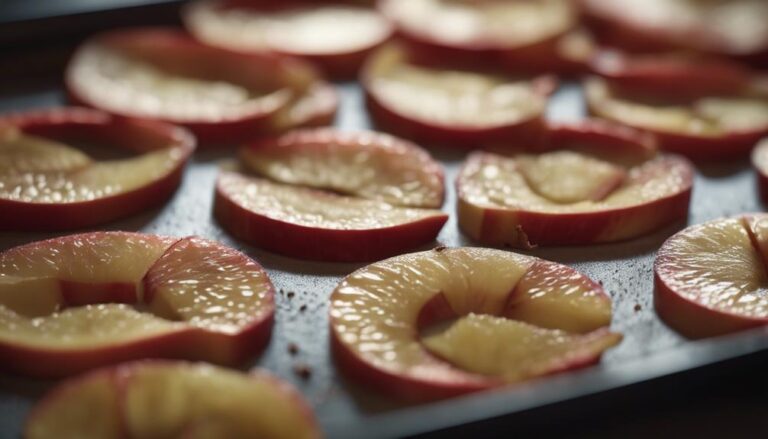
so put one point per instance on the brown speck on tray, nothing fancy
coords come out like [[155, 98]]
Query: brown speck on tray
[[302, 308], [638, 307], [293, 349], [302, 371], [291, 294], [440, 248]]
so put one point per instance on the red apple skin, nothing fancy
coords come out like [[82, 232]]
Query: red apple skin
[[96, 126], [170, 41], [730, 146], [601, 137], [317, 244]]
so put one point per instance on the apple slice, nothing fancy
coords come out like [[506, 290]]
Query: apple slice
[[472, 33], [711, 278], [47, 184], [337, 37], [549, 314], [172, 399], [706, 128], [158, 73], [81, 301], [364, 164], [319, 225], [760, 163], [451, 107], [591, 183], [732, 28]]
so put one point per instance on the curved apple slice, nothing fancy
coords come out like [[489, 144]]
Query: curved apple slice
[[162, 74], [81, 301], [45, 184], [366, 164], [474, 33], [172, 399], [337, 37], [574, 191], [706, 128], [378, 312], [734, 28], [319, 225], [760, 163], [449, 106], [711, 278]]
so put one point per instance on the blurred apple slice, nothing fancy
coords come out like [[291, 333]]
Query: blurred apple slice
[[81, 301], [760, 163], [498, 298], [312, 224], [364, 164], [442, 106], [46, 184], [578, 189], [711, 278], [172, 399], [337, 37]]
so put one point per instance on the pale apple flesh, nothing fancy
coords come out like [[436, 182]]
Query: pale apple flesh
[[378, 312], [368, 165], [80, 301], [172, 399], [711, 278]]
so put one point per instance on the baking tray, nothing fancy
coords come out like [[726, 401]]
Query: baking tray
[[649, 357]]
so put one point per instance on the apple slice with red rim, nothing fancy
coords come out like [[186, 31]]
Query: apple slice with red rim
[[472, 33], [172, 399], [760, 163], [335, 36], [510, 318], [161, 73], [435, 105], [590, 182], [711, 278], [731, 28], [77, 302], [47, 183], [709, 124], [365, 164]]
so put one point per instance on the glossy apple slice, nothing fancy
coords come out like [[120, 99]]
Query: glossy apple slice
[[386, 332], [592, 183], [172, 399], [364, 164], [320, 225], [472, 33], [81, 301], [162, 74], [707, 128], [337, 37], [452, 107], [48, 184], [760, 163], [711, 278], [733, 28]]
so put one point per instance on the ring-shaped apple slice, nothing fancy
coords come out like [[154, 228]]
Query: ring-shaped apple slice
[[452, 107], [172, 399], [472, 33], [365, 164], [511, 318], [314, 224], [592, 182], [162, 74], [336, 37], [760, 163], [709, 127], [81, 301], [47, 183], [711, 278]]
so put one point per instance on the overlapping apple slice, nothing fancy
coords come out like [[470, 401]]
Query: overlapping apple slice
[[77, 302], [222, 96], [734, 28], [333, 196], [473, 33], [705, 110], [154, 399], [760, 163], [711, 278], [509, 318], [48, 184], [451, 107], [591, 182], [335, 36]]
